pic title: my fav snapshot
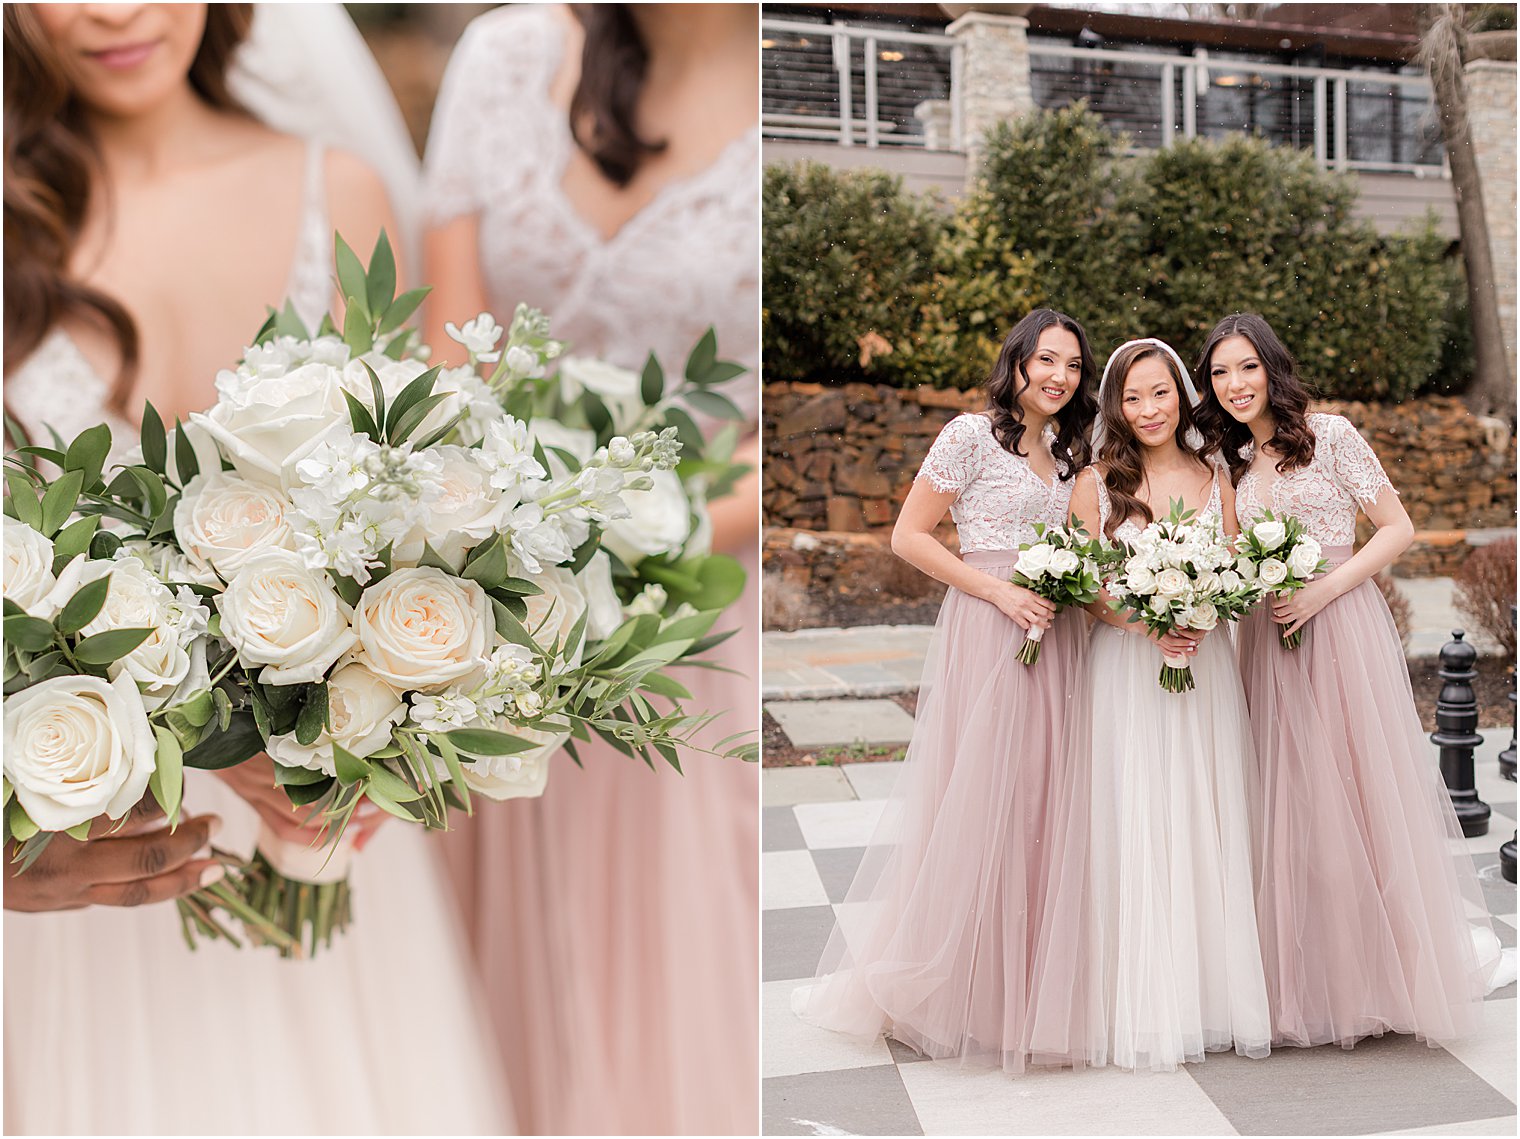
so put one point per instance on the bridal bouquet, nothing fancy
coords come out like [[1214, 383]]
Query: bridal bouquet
[[1181, 574], [1065, 567], [1282, 557], [415, 569]]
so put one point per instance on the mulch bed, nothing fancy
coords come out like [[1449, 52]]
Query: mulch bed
[[1493, 687]]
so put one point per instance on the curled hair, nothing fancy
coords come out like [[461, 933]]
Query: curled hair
[[1010, 379], [1287, 399], [614, 61], [52, 173], [1120, 457]]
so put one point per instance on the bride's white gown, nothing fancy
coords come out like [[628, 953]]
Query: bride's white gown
[[1176, 965], [112, 1026]]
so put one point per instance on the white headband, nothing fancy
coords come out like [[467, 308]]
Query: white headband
[[1187, 383]]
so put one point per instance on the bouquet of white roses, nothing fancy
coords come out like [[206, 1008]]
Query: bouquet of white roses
[[408, 565], [1282, 556], [1180, 574], [1065, 567]]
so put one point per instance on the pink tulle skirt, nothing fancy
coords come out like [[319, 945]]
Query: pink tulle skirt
[[1365, 905], [961, 934]]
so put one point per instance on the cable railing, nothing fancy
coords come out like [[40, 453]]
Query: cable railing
[[856, 85]]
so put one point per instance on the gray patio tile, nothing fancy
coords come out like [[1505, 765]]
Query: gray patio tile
[[816, 723], [853, 1101], [779, 830], [792, 941], [787, 786], [836, 868], [873, 780]]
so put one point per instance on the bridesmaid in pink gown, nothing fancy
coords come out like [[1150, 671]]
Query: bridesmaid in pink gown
[[962, 933], [615, 920], [1364, 906]]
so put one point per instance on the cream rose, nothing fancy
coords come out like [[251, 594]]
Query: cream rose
[[1303, 560], [77, 747], [520, 776], [1034, 562], [552, 612], [421, 629], [280, 614], [1171, 583], [267, 424], [1203, 616], [1273, 572], [463, 512], [1064, 562], [28, 568], [1269, 535], [136, 599], [362, 710], [601, 597], [1140, 579], [222, 519], [659, 520], [618, 388]]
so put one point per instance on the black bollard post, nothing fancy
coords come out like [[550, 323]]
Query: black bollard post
[[1456, 733], [1507, 770]]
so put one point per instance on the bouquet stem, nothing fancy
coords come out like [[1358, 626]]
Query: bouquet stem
[[1291, 641], [1176, 674], [303, 915], [1029, 651]]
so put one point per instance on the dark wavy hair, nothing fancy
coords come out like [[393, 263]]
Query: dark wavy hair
[[1287, 399], [1010, 379], [1120, 458], [614, 61], [52, 173]]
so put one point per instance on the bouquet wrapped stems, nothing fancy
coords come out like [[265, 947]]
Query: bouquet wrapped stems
[[1176, 674]]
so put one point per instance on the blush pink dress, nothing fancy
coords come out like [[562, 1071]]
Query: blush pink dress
[[615, 920], [1365, 903], [962, 933]]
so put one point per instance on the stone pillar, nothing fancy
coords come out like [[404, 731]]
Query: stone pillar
[[1491, 111], [994, 76]]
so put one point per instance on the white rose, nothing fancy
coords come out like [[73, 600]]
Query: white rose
[[1273, 572], [221, 519], [421, 629], [1034, 562], [1171, 583], [617, 387], [1229, 580], [77, 747], [1207, 583], [277, 612], [28, 568], [601, 598], [1269, 535], [659, 520], [520, 776], [1140, 579], [1246, 568], [1204, 616], [268, 424], [1063, 562], [1303, 560], [574, 440], [552, 612], [362, 710], [462, 510], [136, 599]]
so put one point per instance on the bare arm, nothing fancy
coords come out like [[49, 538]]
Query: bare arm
[[451, 264], [1394, 533], [913, 540], [358, 207], [736, 516]]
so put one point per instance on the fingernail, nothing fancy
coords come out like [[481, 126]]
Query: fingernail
[[212, 875], [215, 828]]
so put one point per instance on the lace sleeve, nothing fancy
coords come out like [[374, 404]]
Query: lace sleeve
[[452, 184], [953, 460], [1352, 459]]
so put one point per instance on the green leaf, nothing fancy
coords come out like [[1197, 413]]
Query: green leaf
[[388, 805], [84, 606], [652, 383], [186, 465], [297, 776], [721, 372], [376, 390], [351, 769], [391, 785], [302, 794], [155, 442], [104, 545], [380, 289], [450, 756], [223, 705], [432, 559], [288, 322], [19, 822], [687, 430], [702, 356], [74, 539], [24, 499], [87, 453], [663, 685], [103, 648], [482, 741], [711, 403], [168, 780], [266, 330], [152, 488], [356, 328], [509, 622], [489, 568], [586, 550], [313, 718], [351, 283], [348, 589], [359, 416], [403, 424], [59, 501], [412, 394], [45, 666], [29, 634], [723, 580], [402, 308], [519, 586]]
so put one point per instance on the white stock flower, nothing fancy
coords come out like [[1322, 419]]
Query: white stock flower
[[520, 776], [222, 519], [658, 522], [479, 336], [1273, 572], [361, 708], [77, 747], [278, 613], [266, 425], [539, 541], [651, 599], [462, 510], [475, 401], [1303, 560], [443, 712], [618, 388], [422, 629], [1171, 583], [1269, 534], [28, 568], [506, 451]]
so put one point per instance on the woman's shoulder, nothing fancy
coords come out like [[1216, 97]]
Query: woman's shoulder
[[1328, 425], [968, 427], [512, 33]]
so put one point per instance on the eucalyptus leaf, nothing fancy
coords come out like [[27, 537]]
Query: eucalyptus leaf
[[74, 539], [104, 648], [313, 718], [403, 424], [186, 465], [24, 500], [59, 501], [87, 453], [711, 403], [82, 608], [721, 372], [380, 289], [483, 741], [154, 439], [402, 307], [356, 328], [703, 354], [652, 382], [168, 780], [391, 785], [350, 768], [351, 281], [30, 634], [411, 395], [389, 805], [359, 416]]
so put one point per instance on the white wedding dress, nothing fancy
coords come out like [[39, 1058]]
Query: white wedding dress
[[1176, 965], [113, 1026]]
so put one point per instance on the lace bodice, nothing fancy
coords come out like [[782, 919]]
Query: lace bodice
[[689, 259], [1129, 530], [999, 497], [1324, 495], [57, 386]]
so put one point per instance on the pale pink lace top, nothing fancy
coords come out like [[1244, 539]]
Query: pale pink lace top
[[999, 497], [689, 259], [1324, 495]]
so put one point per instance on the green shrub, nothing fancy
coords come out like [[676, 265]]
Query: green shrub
[[844, 252]]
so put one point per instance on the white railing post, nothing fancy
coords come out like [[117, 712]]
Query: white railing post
[[1168, 97], [957, 98], [1342, 126], [1190, 99], [871, 117], [843, 63], [1321, 143]]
